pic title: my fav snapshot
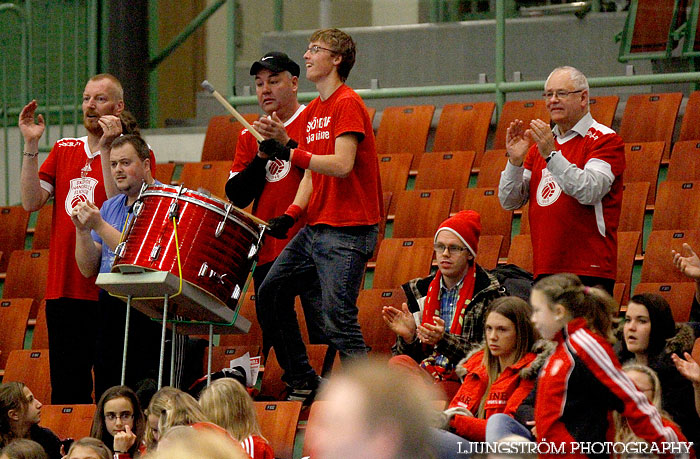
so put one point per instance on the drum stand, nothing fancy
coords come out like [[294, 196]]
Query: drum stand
[[153, 293]]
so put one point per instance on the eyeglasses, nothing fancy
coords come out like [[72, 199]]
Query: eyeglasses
[[561, 94], [315, 49], [125, 416], [452, 249]]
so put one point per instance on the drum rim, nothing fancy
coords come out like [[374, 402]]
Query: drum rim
[[233, 215]]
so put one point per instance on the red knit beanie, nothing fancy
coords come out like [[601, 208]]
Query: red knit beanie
[[466, 225]]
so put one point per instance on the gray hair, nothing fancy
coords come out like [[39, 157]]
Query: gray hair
[[577, 77]]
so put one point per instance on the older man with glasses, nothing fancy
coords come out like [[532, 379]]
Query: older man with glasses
[[443, 318], [574, 175]]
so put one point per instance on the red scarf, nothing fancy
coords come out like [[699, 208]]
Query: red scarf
[[431, 309]]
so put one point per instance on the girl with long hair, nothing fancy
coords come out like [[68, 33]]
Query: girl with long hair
[[651, 338], [119, 422], [156, 408], [492, 382], [20, 414], [227, 404]]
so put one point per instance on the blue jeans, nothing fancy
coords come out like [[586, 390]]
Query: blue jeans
[[448, 445], [337, 257], [500, 426], [310, 303]]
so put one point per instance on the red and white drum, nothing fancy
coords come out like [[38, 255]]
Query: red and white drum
[[217, 241]]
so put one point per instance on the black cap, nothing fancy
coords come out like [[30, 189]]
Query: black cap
[[275, 62]]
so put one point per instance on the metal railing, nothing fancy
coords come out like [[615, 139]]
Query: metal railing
[[54, 59]]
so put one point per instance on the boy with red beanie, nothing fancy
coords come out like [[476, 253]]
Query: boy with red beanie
[[443, 318]]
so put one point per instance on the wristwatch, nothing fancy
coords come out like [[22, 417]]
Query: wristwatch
[[554, 152]]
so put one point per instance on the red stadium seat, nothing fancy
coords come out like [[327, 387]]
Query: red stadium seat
[[401, 260], [643, 160], [685, 161], [650, 118], [404, 129], [603, 108], [42, 228], [68, 421], [278, 424], [420, 212], [445, 169], [222, 136], [492, 164], [377, 335], [32, 368], [13, 221], [464, 127], [14, 314], [678, 294]]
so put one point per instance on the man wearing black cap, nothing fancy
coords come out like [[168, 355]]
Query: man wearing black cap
[[272, 184]]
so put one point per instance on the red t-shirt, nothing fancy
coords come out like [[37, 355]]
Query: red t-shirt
[[566, 234], [60, 176], [282, 181], [356, 199]]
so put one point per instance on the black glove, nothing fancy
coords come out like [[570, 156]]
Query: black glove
[[274, 149], [278, 226]]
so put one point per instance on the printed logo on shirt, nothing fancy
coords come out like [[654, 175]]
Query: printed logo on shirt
[[81, 190], [319, 125], [548, 191], [69, 143], [277, 170]]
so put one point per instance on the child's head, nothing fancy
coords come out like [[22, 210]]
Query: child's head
[[19, 410], [646, 381], [118, 408], [156, 408], [559, 298], [181, 409], [226, 403], [508, 332], [23, 448], [89, 448], [648, 324]]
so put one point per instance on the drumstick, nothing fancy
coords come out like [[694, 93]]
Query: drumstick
[[206, 85]]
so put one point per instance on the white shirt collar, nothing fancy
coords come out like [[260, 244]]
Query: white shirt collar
[[581, 128]]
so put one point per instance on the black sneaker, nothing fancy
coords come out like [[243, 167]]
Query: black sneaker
[[306, 392]]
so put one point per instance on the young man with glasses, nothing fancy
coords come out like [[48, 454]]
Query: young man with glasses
[[443, 318], [341, 197], [573, 173]]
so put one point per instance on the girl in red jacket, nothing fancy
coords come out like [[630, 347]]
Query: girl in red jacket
[[492, 381], [496, 378], [582, 380]]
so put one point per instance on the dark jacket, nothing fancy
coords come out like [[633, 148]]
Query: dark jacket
[[47, 439], [677, 395], [454, 347]]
